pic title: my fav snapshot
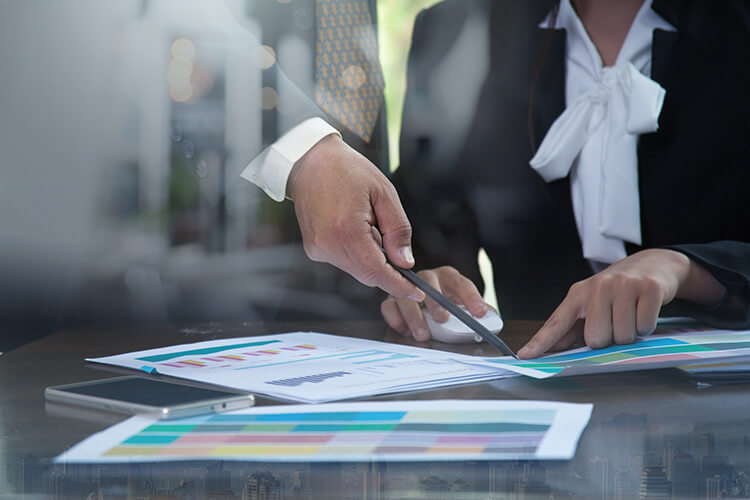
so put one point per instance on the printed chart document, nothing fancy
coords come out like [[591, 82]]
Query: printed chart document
[[309, 367], [718, 373], [452, 430], [671, 345]]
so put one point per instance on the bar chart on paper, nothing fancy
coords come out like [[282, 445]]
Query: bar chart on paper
[[670, 346], [291, 365], [404, 430]]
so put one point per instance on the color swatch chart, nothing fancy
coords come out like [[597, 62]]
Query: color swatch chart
[[308, 367], [398, 431], [657, 351]]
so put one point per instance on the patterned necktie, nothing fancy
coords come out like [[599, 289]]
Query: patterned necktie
[[349, 82]]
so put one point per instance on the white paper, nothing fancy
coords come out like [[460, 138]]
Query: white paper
[[446, 430], [674, 347], [309, 367]]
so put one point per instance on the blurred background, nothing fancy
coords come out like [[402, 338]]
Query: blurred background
[[123, 128]]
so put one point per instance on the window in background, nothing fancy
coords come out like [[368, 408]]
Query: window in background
[[395, 23]]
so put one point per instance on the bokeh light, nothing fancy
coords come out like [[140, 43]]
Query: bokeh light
[[269, 98], [183, 48], [266, 56]]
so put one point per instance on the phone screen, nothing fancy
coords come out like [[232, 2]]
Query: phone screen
[[148, 392]]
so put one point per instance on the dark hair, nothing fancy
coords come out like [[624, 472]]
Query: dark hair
[[538, 69]]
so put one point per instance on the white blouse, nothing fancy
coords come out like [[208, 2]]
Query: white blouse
[[595, 139]]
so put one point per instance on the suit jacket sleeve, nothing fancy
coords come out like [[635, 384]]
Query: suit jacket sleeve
[[729, 263]]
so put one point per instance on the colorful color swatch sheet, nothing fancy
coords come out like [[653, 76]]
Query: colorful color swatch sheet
[[384, 431], [309, 367], [662, 349]]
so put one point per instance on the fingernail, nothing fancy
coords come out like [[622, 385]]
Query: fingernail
[[523, 352], [417, 296], [405, 253], [421, 334]]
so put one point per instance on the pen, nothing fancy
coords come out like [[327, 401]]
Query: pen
[[452, 308]]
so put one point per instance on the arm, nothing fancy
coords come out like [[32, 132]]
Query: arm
[[340, 198], [728, 263], [339, 195], [624, 300], [707, 168]]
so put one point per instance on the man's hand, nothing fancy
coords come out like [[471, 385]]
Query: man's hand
[[623, 301], [406, 317], [342, 200]]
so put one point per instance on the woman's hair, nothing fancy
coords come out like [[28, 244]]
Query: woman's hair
[[538, 69]]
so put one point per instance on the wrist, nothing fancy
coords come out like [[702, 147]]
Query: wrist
[[700, 286], [316, 155]]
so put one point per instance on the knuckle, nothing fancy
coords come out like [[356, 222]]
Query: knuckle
[[646, 325], [597, 342], [608, 282], [577, 289], [630, 283], [426, 274], [338, 226], [447, 270], [322, 240], [623, 337], [402, 231], [414, 324], [595, 339], [452, 275], [449, 274], [370, 275], [650, 287], [647, 328], [380, 188], [384, 187], [387, 185]]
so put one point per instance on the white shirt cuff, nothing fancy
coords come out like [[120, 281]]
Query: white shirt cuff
[[270, 169]]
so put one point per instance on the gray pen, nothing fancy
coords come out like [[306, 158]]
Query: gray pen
[[452, 308]]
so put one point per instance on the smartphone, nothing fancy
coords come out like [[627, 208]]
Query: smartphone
[[154, 397]]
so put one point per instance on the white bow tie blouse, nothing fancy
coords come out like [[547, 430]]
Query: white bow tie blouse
[[595, 139]]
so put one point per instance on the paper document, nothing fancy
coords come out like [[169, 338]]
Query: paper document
[[450, 430], [315, 367], [661, 350], [309, 367], [739, 368]]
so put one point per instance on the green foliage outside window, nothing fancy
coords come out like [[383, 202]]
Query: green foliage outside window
[[395, 23]]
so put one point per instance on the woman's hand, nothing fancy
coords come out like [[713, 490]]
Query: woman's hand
[[405, 316], [623, 301]]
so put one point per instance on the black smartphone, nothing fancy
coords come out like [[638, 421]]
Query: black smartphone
[[160, 398]]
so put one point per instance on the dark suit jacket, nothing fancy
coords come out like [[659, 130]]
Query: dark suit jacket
[[694, 172]]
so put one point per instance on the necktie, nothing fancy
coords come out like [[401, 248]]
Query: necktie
[[349, 82]]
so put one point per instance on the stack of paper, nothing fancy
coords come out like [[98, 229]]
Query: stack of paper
[[700, 345], [403, 431], [310, 367], [315, 367]]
